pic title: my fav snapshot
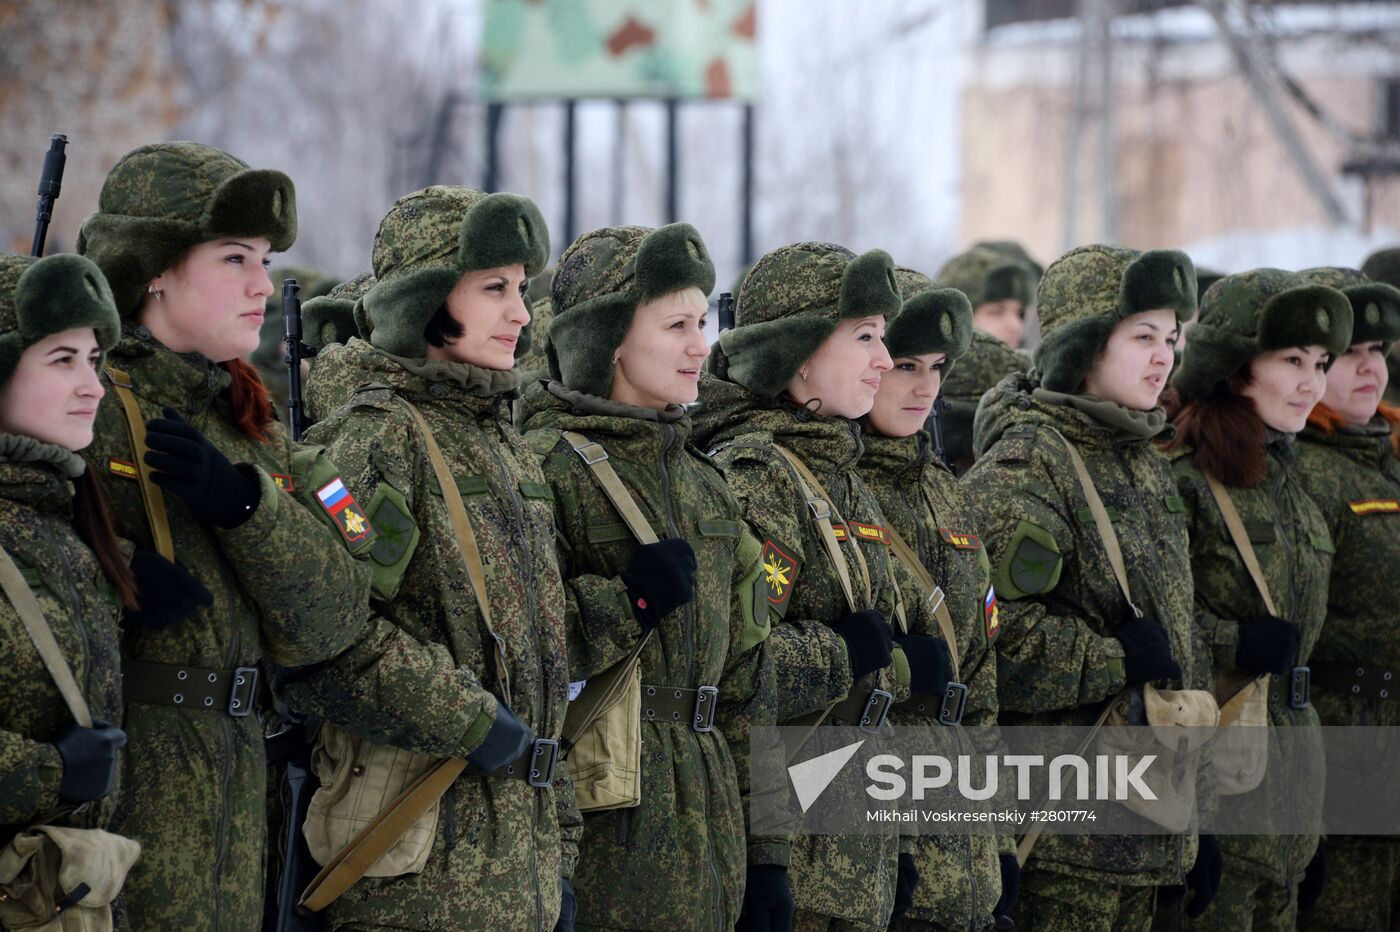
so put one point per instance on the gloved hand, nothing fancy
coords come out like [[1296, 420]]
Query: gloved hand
[[1203, 880], [930, 663], [1147, 654], [1314, 878], [904, 883], [1010, 892], [660, 579], [192, 468], [89, 761], [165, 592], [1267, 645], [505, 741], [568, 906], [768, 904], [868, 641]]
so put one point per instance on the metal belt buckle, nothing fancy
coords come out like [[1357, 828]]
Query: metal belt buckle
[[243, 691], [1299, 688], [706, 699], [954, 701], [542, 776], [877, 708]]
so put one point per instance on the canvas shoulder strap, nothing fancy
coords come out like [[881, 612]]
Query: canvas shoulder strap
[[151, 495], [27, 606], [819, 503], [933, 593]]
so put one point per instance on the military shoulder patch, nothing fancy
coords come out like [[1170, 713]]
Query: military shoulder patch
[[282, 481], [1031, 565], [839, 531], [871, 533], [959, 540], [780, 569], [337, 501], [1375, 506], [991, 615], [122, 468]]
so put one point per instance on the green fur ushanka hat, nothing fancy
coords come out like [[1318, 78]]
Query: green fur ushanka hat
[[427, 242], [791, 301], [41, 297], [1088, 290], [1383, 265], [932, 319], [1375, 306], [161, 200], [986, 273], [601, 280], [330, 318], [1250, 313]]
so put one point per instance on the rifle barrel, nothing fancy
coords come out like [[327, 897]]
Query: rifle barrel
[[50, 184]]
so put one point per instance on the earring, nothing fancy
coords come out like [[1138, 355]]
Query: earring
[[153, 290], [803, 373]]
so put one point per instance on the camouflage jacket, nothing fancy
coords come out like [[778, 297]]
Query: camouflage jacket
[[960, 875], [1059, 601], [687, 835], [425, 679], [1291, 540], [1353, 476], [36, 530], [851, 877], [206, 868]]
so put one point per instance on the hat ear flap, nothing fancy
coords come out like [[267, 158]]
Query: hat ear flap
[[868, 287], [65, 292], [256, 202], [1159, 279], [503, 229], [1310, 315], [672, 258]]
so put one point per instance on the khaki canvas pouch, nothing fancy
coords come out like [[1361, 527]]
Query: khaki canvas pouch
[[358, 781], [1177, 723], [55, 879], [1241, 751]]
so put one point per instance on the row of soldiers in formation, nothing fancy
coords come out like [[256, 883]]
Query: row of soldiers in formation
[[441, 557]]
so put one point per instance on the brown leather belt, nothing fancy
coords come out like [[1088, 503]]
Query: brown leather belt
[[677, 705], [1356, 679], [230, 691]]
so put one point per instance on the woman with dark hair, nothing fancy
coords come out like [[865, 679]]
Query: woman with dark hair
[[183, 233], [1349, 464], [1250, 376]]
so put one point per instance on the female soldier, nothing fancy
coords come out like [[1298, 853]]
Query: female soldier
[[1347, 463], [920, 498], [1252, 371], [1071, 639], [449, 508], [627, 347], [57, 320], [804, 362], [182, 234]]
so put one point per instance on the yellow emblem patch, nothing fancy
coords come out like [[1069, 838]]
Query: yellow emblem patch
[[870, 532], [122, 468], [780, 570], [1375, 506], [960, 541]]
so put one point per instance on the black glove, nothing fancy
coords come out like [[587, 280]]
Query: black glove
[[868, 641], [165, 592], [930, 663], [506, 740], [1267, 645], [768, 904], [1010, 892], [89, 761], [568, 906], [1310, 888], [1147, 654], [1203, 879], [192, 468], [904, 883], [659, 579]]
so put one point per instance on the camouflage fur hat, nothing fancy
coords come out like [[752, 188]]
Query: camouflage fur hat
[[427, 242], [161, 200], [985, 274], [1383, 265], [1255, 312], [1012, 250], [1204, 279], [791, 301], [331, 318], [601, 280], [986, 362], [1375, 306], [1088, 290], [41, 297], [931, 320]]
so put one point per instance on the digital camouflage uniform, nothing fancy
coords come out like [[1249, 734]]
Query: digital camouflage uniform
[[1295, 551], [1059, 601], [677, 860], [986, 362], [425, 681], [195, 778], [80, 606], [328, 323], [1383, 265], [1352, 473], [807, 287]]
